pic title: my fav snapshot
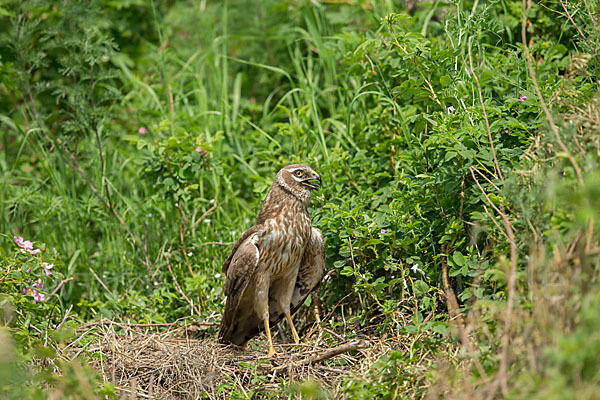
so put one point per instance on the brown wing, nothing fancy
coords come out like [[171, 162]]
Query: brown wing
[[311, 269], [241, 265], [237, 244]]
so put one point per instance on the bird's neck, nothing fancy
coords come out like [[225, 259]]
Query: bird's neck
[[302, 196], [281, 198]]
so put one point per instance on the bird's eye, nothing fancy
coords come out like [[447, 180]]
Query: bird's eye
[[298, 173]]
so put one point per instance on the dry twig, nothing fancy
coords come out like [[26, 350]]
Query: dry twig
[[512, 278], [549, 118]]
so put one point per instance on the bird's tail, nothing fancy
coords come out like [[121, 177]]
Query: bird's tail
[[226, 325]]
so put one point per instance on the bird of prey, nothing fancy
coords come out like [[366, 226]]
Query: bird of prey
[[276, 263]]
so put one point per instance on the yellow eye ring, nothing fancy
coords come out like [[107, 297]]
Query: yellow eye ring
[[298, 173]]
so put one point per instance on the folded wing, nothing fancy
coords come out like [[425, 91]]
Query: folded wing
[[311, 270], [240, 322]]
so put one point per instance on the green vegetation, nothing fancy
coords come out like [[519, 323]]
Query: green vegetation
[[458, 157]]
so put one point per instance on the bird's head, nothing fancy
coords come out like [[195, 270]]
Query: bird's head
[[299, 179]]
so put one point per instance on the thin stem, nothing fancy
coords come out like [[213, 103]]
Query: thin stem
[[194, 308], [579, 30], [502, 379], [549, 119], [487, 122], [587, 7]]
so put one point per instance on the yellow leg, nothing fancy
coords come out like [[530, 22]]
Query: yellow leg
[[293, 328], [271, 352]]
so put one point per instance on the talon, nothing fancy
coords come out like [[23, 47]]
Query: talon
[[292, 328], [273, 353]]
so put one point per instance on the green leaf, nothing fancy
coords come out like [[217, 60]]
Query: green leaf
[[445, 80], [347, 271], [458, 258], [420, 287]]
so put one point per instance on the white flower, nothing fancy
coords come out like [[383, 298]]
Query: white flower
[[415, 268]]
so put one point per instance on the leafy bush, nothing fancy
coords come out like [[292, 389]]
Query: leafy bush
[[138, 140]]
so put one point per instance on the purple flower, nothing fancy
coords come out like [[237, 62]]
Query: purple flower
[[384, 231], [47, 268], [451, 109], [523, 98], [37, 296], [25, 291], [38, 285]]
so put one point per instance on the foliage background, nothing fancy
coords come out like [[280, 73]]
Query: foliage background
[[136, 138]]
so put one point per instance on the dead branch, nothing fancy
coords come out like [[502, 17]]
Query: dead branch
[[322, 355]]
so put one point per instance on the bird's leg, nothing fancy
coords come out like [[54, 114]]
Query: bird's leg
[[316, 303], [292, 328], [261, 307], [271, 352], [285, 299]]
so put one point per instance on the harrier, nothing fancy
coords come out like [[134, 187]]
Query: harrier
[[276, 263]]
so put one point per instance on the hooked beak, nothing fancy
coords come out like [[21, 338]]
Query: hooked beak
[[315, 182]]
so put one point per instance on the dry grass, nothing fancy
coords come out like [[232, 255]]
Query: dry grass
[[175, 364]]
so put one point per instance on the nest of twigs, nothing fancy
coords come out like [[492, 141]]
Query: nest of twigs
[[175, 364]]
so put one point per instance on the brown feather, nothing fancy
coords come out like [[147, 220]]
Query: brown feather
[[276, 263], [236, 245]]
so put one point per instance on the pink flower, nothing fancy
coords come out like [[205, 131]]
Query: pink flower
[[37, 296], [384, 231], [142, 130], [25, 244], [202, 152], [25, 291], [47, 268], [38, 285], [523, 98]]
